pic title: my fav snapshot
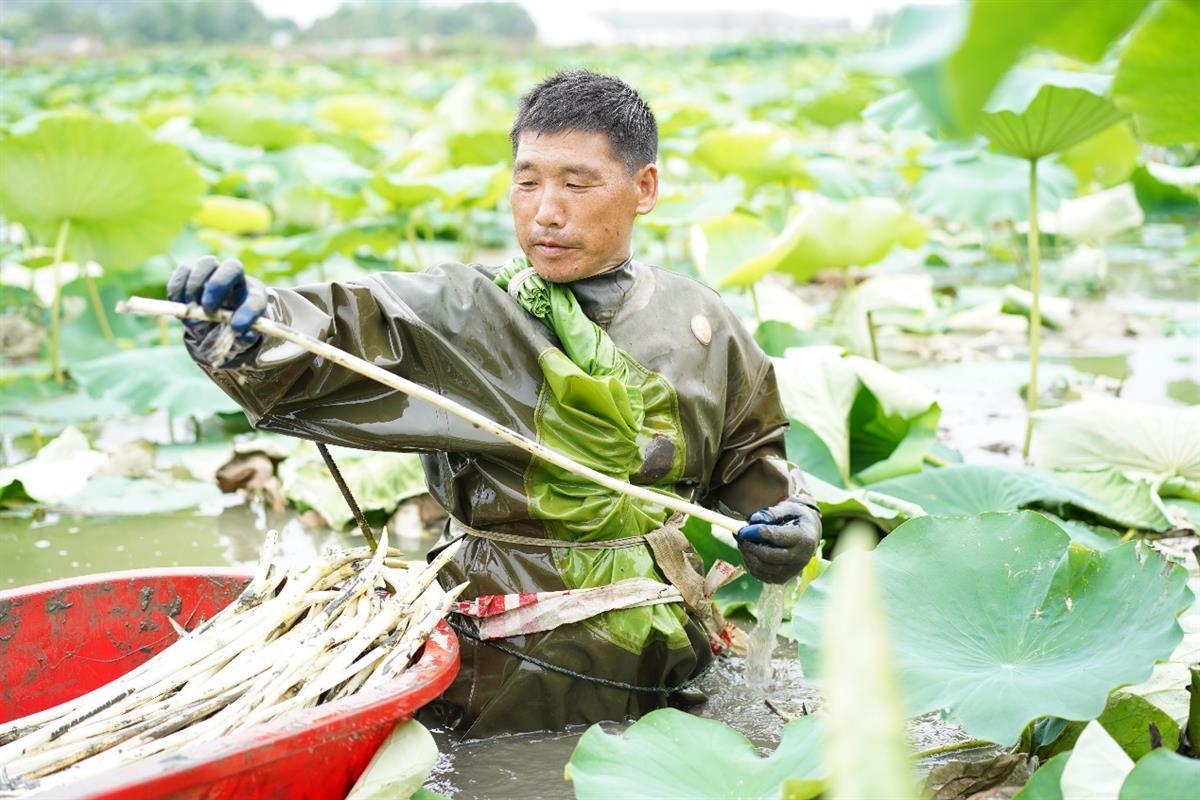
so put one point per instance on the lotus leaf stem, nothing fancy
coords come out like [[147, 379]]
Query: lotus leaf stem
[[97, 304], [1035, 310], [60, 247], [953, 747]]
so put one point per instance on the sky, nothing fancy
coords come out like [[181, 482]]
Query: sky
[[555, 16]]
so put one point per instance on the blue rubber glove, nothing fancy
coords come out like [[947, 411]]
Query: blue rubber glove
[[216, 286], [778, 541]]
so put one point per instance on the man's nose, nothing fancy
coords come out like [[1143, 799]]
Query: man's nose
[[550, 212]]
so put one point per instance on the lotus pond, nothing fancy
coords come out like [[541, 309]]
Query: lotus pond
[[976, 265]]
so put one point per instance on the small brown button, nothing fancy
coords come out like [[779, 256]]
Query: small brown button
[[701, 329]]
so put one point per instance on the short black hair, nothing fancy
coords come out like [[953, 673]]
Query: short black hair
[[582, 100]]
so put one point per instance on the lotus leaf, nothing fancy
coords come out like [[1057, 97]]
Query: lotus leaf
[[735, 243], [59, 470], [355, 112], [670, 753], [250, 121], [1097, 767], [153, 379], [757, 152], [953, 56], [989, 189], [379, 481], [118, 496], [1098, 216], [1139, 439], [1106, 159], [1127, 718], [1167, 686], [875, 423], [1158, 76], [884, 510], [1161, 774], [233, 215], [1000, 619], [1034, 113], [969, 489], [125, 195]]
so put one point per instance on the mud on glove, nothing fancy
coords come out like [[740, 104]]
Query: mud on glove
[[778, 541], [214, 286]]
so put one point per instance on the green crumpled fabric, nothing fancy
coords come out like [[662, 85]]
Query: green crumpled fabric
[[601, 408]]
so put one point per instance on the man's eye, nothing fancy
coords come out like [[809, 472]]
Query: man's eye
[[526, 184], [576, 186]]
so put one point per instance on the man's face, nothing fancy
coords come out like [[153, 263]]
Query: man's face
[[574, 203]]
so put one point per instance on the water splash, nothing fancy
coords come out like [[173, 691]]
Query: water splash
[[759, 670]]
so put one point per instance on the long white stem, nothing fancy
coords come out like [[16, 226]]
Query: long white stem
[[723, 525]]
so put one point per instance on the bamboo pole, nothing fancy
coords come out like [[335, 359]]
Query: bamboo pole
[[723, 526]]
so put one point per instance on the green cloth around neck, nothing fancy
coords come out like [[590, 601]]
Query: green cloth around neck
[[600, 407]]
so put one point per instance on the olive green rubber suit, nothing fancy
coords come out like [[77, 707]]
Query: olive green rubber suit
[[666, 389]]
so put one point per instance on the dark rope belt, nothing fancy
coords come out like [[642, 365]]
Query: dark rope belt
[[570, 673]]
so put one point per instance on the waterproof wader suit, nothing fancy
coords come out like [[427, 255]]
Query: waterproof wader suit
[[638, 372]]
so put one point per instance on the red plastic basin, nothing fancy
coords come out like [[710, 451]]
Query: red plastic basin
[[61, 639]]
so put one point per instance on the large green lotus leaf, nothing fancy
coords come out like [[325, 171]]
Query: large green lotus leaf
[[736, 244], [670, 753], [989, 189], [126, 195], [824, 234], [378, 481], [876, 423], [1139, 439], [953, 56], [474, 186], [250, 121], [154, 379], [1035, 113], [758, 152], [1106, 159], [1000, 619], [1158, 76], [1161, 774], [968, 489]]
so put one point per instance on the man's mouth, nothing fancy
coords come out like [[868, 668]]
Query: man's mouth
[[551, 248]]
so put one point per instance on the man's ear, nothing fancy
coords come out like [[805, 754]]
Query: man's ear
[[646, 181]]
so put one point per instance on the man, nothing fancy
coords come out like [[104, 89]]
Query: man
[[634, 370]]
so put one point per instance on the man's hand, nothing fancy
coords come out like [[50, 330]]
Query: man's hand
[[216, 286], [780, 540]]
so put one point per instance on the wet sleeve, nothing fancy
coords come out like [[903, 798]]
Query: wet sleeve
[[752, 471], [386, 320]]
